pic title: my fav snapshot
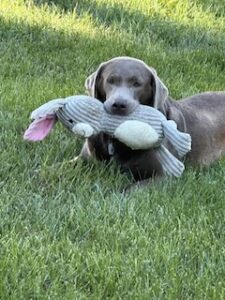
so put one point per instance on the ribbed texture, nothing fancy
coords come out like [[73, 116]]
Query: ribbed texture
[[92, 112], [81, 111], [170, 164], [180, 140], [142, 113]]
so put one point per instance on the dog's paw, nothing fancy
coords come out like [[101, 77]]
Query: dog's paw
[[75, 159]]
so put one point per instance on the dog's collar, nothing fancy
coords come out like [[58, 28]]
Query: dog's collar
[[111, 149]]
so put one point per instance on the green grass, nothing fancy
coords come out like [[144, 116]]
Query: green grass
[[66, 232]]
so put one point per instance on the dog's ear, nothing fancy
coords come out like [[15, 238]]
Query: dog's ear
[[160, 91], [94, 84]]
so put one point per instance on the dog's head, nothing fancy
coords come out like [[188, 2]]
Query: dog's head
[[124, 82]]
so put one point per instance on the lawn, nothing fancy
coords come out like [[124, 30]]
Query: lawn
[[66, 231]]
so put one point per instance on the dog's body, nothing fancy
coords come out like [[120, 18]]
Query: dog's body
[[123, 82]]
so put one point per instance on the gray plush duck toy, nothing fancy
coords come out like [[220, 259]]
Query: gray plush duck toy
[[144, 128]]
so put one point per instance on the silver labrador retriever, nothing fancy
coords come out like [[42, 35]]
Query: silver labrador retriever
[[123, 81]]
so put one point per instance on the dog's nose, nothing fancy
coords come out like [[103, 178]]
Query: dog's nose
[[119, 107]]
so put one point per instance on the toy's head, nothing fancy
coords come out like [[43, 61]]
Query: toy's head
[[71, 111]]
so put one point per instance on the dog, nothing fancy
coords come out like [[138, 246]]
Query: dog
[[120, 84]]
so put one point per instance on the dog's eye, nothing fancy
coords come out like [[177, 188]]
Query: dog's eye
[[111, 80], [136, 84]]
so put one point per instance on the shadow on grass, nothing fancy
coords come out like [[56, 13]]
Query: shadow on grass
[[216, 7], [66, 59], [153, 29]]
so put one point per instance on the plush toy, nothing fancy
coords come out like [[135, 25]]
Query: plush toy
[[144, 128]]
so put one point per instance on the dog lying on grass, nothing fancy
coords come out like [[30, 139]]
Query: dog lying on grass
[[121, 82]]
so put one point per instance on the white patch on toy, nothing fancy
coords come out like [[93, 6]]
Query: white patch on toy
[[136, 135], [83, 129]]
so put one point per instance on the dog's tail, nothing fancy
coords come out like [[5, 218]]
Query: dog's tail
[[44, 119]]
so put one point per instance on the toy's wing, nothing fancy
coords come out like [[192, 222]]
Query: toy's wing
[[48, 108], [170, 164], [180, 140], [40, 128]]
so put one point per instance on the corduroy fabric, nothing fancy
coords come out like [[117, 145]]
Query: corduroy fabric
[[85, 109]]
